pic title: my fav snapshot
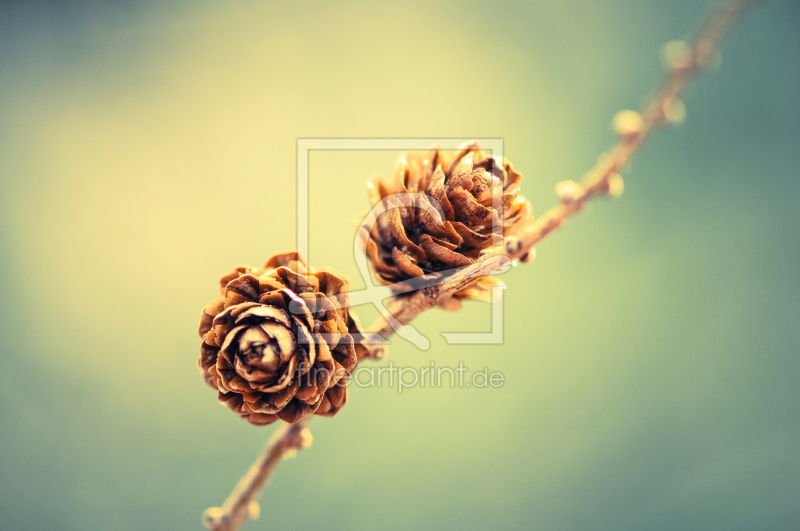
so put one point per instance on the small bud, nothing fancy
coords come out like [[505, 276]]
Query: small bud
[[674, 111], [676, 55], [615, 185], [299, 442], [212, 517], [569, 191], [627, 122], [528, 257], [512, 245], [253, 509], [306, 438]]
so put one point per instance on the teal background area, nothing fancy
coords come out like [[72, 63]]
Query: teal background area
[[651, 353]]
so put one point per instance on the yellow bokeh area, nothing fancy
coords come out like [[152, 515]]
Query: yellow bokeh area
[[650, 354]]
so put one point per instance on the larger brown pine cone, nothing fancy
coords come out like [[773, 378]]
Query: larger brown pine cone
[[465, 203], [277, 343]]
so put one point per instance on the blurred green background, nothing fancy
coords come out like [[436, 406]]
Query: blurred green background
[[651, 352]]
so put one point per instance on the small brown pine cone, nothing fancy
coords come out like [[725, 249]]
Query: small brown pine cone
[[278, 342], [466, 203]]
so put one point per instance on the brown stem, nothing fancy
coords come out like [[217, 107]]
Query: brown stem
[[241, 505], [654, 115], [600, 180], [406, 306]]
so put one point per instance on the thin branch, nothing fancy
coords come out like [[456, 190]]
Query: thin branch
[[664, 107], [404, 307], [241, 505], [686, 61]]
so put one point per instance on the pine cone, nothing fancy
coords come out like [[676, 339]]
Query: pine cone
[[466, 203], [275, 346]]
